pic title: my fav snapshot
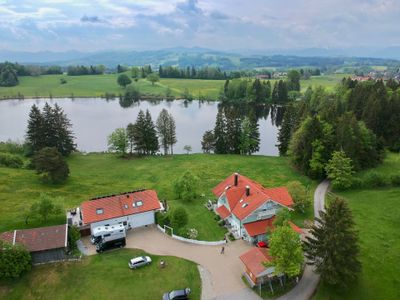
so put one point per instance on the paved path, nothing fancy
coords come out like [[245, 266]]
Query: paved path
[[309, 281]]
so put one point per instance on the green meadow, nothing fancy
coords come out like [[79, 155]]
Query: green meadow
[[98, 85]]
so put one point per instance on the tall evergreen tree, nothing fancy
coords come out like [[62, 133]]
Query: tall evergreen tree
[[233, 130], [332, 245], [171, 133], [220, 133], [162, 125], [35, 135], [208, 142], [150, 135], [289, 125], [130, 134], [139, 133]]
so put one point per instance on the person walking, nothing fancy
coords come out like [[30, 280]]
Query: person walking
[[222, 250]]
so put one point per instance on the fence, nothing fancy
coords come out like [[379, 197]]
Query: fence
[[206, 243]]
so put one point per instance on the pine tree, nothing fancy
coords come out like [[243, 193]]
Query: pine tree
[[139, 133], [340, 170], [332, 246], [150, 136], [65, 139], [163, 129], [275, 94], [130, 133], [172, 140], [233, 130], [220, 133], [35, 132], [289, 125]]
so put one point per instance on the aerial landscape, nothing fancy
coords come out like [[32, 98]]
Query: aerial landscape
[[196, 149]]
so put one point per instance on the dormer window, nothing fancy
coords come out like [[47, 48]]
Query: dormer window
[[126, 206], [241, 200], [244, 205], [139, 203], [99, 211]]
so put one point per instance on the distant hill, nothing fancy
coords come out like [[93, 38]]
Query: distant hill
[[200, 57]]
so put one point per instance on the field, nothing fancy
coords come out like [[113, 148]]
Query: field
[[103, 174], [98, 85], [105, 276], [376, 213]]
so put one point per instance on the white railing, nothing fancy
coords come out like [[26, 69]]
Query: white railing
[[206, 243]]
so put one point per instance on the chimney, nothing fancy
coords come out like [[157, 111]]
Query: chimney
[[236, 179], [247, 190]]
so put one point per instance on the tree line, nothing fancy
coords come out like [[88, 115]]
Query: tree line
[[192, 72], [260, 91], [357, 121], [233, 133], [85, 70], [144, 137]]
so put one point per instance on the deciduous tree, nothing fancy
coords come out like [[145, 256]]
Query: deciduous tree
[[51, 165]]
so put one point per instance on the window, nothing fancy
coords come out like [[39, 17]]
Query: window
[[108, 234], [126, 206], [139, 203], [244, 205], [124, 223], [99, 211]]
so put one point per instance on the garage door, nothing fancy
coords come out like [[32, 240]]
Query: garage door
[[143, 219]]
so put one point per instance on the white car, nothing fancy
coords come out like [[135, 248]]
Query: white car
[[138, 262]]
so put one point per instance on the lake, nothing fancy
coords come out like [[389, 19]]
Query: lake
[[93, 119]]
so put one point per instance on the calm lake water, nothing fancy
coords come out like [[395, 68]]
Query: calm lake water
[[94, 119]]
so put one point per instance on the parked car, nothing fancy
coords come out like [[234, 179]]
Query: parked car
[[263, 244], [177, 294], [103, 246], [138, 262]]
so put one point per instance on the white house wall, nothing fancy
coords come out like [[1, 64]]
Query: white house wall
[[265, 211]]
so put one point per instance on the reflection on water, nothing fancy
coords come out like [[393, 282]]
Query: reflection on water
[[93, 119]]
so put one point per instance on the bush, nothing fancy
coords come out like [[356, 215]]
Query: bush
[[11, 160], [231, 237], [374, 179], [51, 165], [186, 187], [395, 179], [183, 232], [14, 260], [192, 233], [12, 147], [221, 223], [162, 219], [179, 218], [357, 183], [73, 236], [217, 218]]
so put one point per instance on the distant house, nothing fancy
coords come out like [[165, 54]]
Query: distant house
[[254, 262], [46, 244], [132, 209], [248, 208]]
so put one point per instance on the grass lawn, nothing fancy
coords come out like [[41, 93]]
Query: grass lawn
[[102, 174], [376, 213], [105, 276], [98, 85]]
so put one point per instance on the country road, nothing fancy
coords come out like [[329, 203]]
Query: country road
[[309, 281]]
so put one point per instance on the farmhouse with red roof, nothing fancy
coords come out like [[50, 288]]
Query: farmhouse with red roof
[[45, 243], [248, 208], [132, 209]]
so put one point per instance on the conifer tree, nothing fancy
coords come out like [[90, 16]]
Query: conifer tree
[[332, 246], [171, 133], [150, 136], [35, 132], [220, 133]]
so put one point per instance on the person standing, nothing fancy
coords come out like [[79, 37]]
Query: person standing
[[222, 250]]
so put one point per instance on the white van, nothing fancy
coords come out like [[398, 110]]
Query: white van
[[107, 233]]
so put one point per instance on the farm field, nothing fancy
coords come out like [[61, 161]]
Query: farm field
[[98, 85], [105, 276], [103, 174], [376, 213]]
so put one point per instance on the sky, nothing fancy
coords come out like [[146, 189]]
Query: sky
[[97, 25]]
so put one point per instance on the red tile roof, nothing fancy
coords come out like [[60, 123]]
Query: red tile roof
[[38, 239], [119, 205], [254, 259], [223, 212], [259, 227], [258, 195]]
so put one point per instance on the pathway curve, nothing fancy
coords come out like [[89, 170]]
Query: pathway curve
[[309, 281]]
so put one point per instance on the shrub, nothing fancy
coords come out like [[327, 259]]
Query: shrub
[[179, 218], [221, 223], [374, 179], [231, 237], [11, 160], [186, 187], [73, 236], [162, 219], [14, 260], [183, 232], [217, 218], [192, 233], [357, 183], [395, 179], [51, 165], [12, 147]]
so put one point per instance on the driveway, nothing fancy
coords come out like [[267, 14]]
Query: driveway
[[220, 273]]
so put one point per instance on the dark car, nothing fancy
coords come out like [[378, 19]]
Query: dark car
[[177, 294], [119, 243]]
